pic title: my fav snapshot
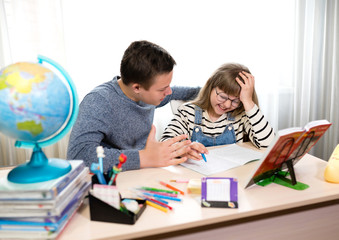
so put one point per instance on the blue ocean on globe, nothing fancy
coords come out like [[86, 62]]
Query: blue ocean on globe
[[34, 102]]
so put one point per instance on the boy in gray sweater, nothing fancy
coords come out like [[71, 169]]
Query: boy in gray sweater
[[118, 114]]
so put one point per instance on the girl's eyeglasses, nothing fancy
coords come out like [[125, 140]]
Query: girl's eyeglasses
[[222, 97]]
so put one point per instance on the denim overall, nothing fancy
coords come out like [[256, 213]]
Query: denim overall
[[227, 137]]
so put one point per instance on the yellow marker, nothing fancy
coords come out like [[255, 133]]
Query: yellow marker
[[152, 204]]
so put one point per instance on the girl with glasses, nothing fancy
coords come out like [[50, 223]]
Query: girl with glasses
[[225, 112]]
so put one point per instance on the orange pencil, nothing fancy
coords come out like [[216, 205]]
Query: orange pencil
[[171, 187]]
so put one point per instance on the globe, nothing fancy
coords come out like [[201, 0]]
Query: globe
[[38, 105]]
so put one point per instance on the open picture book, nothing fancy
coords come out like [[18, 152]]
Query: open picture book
[[288, 147]]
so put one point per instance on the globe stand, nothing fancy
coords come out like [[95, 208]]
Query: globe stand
[[39, 168]]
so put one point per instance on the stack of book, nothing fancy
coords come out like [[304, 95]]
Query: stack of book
[[41, 210]]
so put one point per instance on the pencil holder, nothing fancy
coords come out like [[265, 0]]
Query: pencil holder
[[103, 212]]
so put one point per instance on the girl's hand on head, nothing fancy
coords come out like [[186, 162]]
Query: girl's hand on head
[[247, 89]]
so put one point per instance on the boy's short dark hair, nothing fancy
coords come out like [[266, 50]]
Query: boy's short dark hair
[[142, 61]]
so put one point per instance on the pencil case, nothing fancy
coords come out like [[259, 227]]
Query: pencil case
[[103, 212]]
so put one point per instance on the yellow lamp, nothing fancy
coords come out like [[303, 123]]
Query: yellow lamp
[[332, 169]]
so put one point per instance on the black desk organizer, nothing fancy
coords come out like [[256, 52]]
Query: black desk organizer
[[103, 212]]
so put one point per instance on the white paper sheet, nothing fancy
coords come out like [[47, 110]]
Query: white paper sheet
[[223, 158]]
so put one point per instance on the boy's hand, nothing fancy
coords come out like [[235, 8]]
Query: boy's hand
[[163, 154]]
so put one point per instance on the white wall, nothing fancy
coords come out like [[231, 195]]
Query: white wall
[[88, 38], [200, 35]]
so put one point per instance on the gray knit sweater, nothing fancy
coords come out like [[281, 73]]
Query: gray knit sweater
[[108, 118]]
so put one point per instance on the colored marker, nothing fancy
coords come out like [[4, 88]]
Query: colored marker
[[160, 193], [161, 200], [171, 187], [158, 190], [158, 202], [160, 196], [152, 204]]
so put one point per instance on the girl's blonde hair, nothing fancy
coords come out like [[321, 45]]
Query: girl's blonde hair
[[224, 79]]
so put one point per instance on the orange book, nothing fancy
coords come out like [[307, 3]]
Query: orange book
[[290, 144]]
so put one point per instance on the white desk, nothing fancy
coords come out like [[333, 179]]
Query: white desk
[[271, 212]]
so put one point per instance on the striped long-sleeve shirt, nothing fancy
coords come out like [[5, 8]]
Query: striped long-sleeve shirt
[[251, 123]]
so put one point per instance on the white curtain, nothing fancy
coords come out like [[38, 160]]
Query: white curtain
[[88, 37], [8, 155], [316, 69], [29, 28]]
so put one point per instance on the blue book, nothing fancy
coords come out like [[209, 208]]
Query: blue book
[[38, 191], [42, 208], [46, 227]]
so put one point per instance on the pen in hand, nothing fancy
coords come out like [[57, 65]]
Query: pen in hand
[[204, 157], [202, 154]]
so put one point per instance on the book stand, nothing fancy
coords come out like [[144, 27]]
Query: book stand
[[288, 147], [279, 176]]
